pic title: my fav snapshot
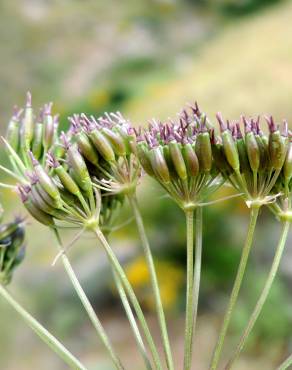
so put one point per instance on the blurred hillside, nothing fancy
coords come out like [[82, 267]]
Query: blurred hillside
[[147, 58]]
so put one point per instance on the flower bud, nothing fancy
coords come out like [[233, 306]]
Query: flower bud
[[86, 148], [117, 142], [277, 146], [191, 159], [35, 212], [27, 125], [159, 164], [102, 145], [66, 180], [13, 130], [49, 127], [37, 145], [204, 151], [242, 152], [177, 159], [252, 147], [287, 168], [229, 145], [143, 156], [44, 179]]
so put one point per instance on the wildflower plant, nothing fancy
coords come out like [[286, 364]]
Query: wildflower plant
[[80, 179]]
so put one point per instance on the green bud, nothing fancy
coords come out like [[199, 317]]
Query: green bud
[[54, 203], [264, 152], [49, 127], [143, 156], [37, 145], [220, 159], [287, 169], [102, 145], [159, 164], [40, 203], [177, 159], [13, 132], [27, 125], [277, 149], [253, 151], [230, 150], [66, 180], [204, 151], [191, 159], [116, 141], [86, 148], [243, 157]]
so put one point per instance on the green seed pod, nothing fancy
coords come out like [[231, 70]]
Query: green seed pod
[[79, 168], [159, 164], [230, 150], [47, 198], [102, 145], [37, 145], [287, 168], [204, 151], [45, 180], [220, 159], [13, 131], [86, 148], [49, 127], [191, 159], [277, 149], [253, 151], [264, 152], [143, 156], [116, 141], [177, 159], [40, 203], [35, 212], [243, 157], [66, 180], [27, 125]]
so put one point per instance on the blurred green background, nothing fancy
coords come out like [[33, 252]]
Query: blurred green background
[[147, 58]]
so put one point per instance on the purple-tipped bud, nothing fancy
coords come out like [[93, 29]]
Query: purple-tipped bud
[[27, 125], [222, 124]]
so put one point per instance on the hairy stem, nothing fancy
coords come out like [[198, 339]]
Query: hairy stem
[[133, 299], [132, 320], [189, 291], [265, 292], [43, 333], [236, 288], [154, 281], [88, 307]]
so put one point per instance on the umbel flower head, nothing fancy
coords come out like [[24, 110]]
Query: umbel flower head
[[27, 133], [108, 144], [251, 162], [178, 155], [12, 248]]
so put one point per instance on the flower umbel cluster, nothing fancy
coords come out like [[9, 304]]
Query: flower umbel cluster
[[178, 154]]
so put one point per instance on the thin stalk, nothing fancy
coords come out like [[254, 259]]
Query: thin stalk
[[133, 299], [265, 292], [198, 264], [236, 288], [285, 364], [132, 320], [43, 333], [154, 281], [189, 291], [88, 307]]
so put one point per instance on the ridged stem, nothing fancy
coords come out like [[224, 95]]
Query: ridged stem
[[154, 281], [285, 364], [236, 288], [265, 292], [189, 290], [88, 307], [43, 333], [132, 297], [132, 320]]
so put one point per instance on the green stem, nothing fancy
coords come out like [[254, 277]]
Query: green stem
[[88, 307], [43, 333], [265, 292], [189, 291], [133, 299], [132, 320], [154, 281], [198, 264], [285, 364], [236, 287]]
